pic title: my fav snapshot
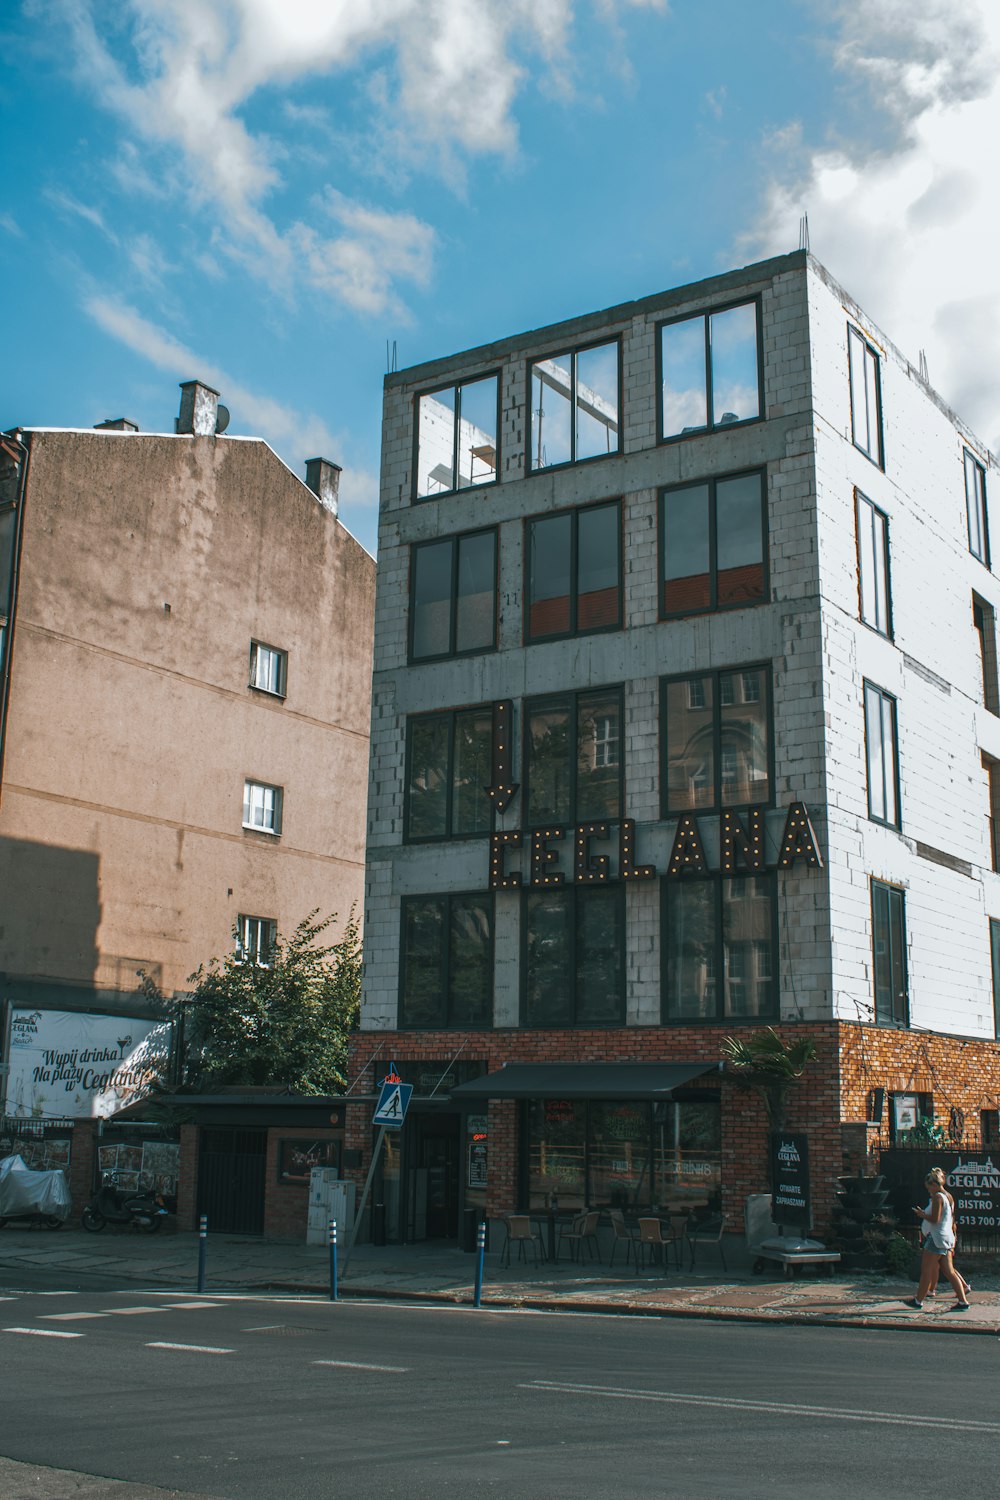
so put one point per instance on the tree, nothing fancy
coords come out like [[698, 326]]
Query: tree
[[768, 1067], [285, 1022]]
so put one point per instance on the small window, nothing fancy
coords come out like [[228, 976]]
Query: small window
[[262, 807], [453, 596], [883, 756], [268, 668], [866, 396], [449, 760], [574, 406], [984, 621], [992, 769], [457, 430], [892, 1003], [713, 551], [716, 737], [574, 572], [255, 940], [873, 566], [975, 509], [710, 371]]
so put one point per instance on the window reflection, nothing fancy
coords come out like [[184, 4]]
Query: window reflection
[[574, 406], [565, 787], [717, 741], [719, 960], [710, 371], [457, 437], [574, 572], [575, 956], [453, 596], [712, 544]]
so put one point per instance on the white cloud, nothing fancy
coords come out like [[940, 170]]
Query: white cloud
[[906, 215], [288, 431], [10, 224], [67, 204]]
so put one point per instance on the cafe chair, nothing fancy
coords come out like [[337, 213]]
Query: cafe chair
[[519, 1233], [706, 1232], [653, 1241], [582, 1231], [621, 1232]]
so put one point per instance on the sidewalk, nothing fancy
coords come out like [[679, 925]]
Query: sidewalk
[[445, 1274]]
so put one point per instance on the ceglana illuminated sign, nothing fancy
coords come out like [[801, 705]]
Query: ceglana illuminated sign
[[741, 847]]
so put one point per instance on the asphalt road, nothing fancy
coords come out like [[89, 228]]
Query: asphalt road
[[262, 1398]]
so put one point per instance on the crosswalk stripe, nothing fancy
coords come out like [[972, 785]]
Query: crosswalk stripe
[[191, 1348], [351, 1364], [46, 1333], [127, 1312], [70, 1317]]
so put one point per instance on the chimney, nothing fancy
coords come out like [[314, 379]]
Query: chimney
[[199, 410], [323, 478], [116, 424]]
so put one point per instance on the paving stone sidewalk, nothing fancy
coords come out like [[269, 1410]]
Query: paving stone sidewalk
[[447, 1274]]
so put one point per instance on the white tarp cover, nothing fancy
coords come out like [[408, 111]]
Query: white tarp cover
[[23, 1191], [69, 1063]]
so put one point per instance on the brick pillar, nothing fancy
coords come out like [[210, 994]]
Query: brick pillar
[[82, 1156], [187, 1179]]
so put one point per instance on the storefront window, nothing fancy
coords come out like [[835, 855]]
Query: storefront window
[[624, 1153]]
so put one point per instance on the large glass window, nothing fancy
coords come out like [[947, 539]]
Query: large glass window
[[713, 549], [453, 587], [866, 396], [873, 565], [574, 969], [573, 762], [892, 1005], [446, 973], [574, 572], [627, 1154], [457, 437], [719, 948], [882, 755], [995, 964], [975, 509], [574, 406], [710, 371], [449, 763], [717, 739]]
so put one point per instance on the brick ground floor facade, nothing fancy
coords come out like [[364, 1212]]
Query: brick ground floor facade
[[846, 1102]]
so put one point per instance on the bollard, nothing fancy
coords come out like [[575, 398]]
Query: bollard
[[480, 1257], [202, 1250], [333, 1260]]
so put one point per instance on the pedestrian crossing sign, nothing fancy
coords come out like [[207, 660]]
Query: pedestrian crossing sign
[[392, 1103]]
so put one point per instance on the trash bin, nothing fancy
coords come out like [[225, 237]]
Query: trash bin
[[378, 1223], [470, 1222]]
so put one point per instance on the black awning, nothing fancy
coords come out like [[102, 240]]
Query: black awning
[[582, 1081]]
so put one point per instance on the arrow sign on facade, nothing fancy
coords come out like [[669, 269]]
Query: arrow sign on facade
[[503, 788]]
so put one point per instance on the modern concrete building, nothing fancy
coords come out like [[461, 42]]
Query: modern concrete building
[[691, 727], [185, 660]]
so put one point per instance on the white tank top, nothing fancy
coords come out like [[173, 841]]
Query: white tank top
[[940, 1236]]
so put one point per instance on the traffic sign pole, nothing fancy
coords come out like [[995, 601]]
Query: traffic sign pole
[[376, 1158]]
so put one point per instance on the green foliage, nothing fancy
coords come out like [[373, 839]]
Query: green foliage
[[900, 1256], [284, 1024], [768, 1067], [926, 1133]]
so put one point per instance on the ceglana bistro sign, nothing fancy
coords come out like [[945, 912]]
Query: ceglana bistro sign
[[741, 848]]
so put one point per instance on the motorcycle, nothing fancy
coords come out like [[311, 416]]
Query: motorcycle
[[109, 1205], [29, 1197]]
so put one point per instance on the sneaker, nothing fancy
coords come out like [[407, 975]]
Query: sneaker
[[960, 1307], [912, 1302]]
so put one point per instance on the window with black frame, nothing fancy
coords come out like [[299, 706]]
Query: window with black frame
[[572, 757], [882, 756], [889, 954], [574, 956], [713, 544], [573, 568], [446, 969], [866, 396], [575, 406], [710, 371], [975, 509], [995, 967], [453, 596], [449, 762], [873, 566], [719, 948], [717, 740], [457, 429]]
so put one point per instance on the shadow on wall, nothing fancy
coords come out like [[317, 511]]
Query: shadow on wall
[[50, 911]]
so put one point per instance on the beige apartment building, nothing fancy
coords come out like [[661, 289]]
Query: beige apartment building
[[185, 678]]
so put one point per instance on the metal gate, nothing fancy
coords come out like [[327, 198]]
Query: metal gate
[[231, 1179]]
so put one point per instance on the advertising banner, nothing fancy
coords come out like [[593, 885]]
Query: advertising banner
[[973, 1180], [66, 1064], [790, 1179]]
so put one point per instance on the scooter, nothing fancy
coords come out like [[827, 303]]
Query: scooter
[[140, 1210]]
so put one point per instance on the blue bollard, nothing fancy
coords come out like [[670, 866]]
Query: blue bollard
[[202, 1250], [333, 1260], [480, 1257]]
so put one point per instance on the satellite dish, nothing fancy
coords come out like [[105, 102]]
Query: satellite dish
[[222, 420]]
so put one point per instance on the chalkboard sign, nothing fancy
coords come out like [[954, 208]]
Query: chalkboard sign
[[790, 1180]]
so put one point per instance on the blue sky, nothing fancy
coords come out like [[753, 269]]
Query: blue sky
[[262, 193]]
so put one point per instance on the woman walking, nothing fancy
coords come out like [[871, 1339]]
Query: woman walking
[[938, 1228], [942, 1182]]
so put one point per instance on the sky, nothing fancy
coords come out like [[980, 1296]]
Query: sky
[[273, 195]]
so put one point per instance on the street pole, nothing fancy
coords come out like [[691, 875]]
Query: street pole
[[333, 1260], [376, 1158], [481, 1256], [202, 1250]]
